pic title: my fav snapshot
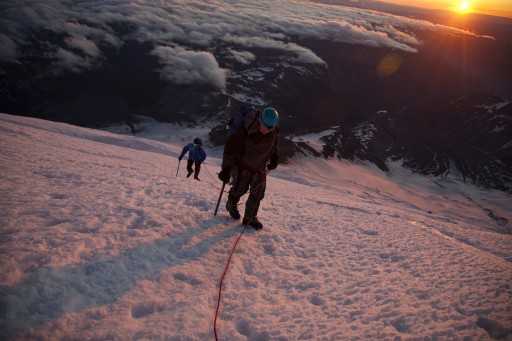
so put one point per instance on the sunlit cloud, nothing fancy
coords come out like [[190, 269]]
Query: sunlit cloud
[[181, 66], [243, 57], [103, 35], [87, 46], [303, 54], [69, 61], [186, 33]]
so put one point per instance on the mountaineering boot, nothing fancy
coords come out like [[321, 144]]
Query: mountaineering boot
[[196, 178], [189, 174], [232, 209], [251, 210], [254, 222], [233, 212]]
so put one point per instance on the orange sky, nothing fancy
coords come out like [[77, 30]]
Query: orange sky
[[502, 8]]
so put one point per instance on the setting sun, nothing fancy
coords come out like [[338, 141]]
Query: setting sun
[[500, 8], [464, 6]]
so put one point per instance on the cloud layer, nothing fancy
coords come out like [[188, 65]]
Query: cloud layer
[[185, 34]]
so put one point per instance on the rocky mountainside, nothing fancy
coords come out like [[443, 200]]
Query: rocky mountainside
[[470, 136]]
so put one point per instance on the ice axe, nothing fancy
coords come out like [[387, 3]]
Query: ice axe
[[220, 197], [178, 168]]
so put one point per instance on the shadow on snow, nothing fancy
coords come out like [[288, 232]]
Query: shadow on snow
[[54, 291]]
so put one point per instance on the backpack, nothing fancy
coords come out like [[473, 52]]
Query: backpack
[[238, 117], [196, 152]]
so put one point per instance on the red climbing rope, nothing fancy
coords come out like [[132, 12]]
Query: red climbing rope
[[222, 280]]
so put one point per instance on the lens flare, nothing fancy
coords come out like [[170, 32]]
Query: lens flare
[[389, 64]]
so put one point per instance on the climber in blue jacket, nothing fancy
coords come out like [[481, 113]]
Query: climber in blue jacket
[[196, 156]]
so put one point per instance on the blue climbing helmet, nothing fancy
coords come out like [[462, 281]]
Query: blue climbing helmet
[[269, 117], [198, 141]]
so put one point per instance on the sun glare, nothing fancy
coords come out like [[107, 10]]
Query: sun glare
[[464, 6]]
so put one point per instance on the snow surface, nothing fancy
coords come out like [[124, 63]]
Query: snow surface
[[314, 140], [100, 240]]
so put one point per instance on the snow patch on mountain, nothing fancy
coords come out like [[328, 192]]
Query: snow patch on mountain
[[314, 141]]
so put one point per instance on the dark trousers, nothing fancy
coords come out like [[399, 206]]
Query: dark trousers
[[197, 168], [246, 181]]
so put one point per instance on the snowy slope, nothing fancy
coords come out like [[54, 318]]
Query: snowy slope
[[101, 241]]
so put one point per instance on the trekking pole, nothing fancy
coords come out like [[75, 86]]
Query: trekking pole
[[178, 168], [220, 197]]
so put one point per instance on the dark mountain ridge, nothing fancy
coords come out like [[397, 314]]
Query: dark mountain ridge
[[443, 109], [469, 135]]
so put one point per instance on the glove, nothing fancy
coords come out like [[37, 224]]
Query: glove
[[273, 163], [179, 158], [225, 175]]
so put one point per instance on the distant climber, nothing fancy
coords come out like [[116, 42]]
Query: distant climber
[[196, 156]]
